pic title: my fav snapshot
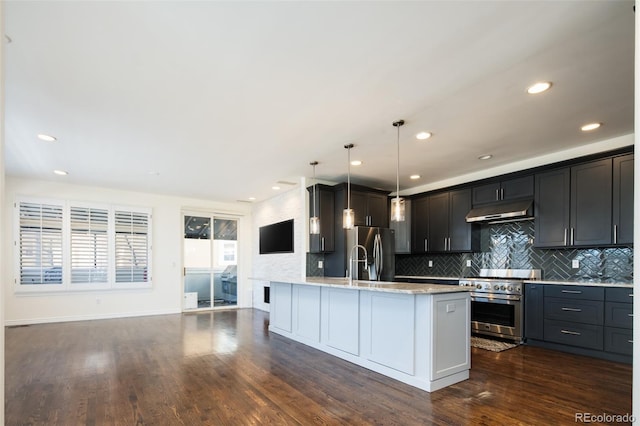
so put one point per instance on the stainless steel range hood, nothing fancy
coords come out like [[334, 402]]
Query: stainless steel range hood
[[502, 212]]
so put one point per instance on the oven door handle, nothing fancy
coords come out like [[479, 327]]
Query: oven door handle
[[503, 299]]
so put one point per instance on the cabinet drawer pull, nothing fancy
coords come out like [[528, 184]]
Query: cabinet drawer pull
[[629, 341], [572, 291], [572, 309], [630, 315], [630, 294], [573, 333]]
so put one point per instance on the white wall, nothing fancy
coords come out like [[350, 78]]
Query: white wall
[[3, 236], [288, 205], [165, 296]]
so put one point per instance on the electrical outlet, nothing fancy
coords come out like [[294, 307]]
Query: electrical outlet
[[320, 264], [431, 264], [575, 263], [468, 262]]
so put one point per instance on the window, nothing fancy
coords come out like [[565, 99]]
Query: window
[[70, 246], [89, 245], [40, 243], [132, 247]]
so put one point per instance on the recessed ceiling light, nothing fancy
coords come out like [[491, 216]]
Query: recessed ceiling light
[[153, 173], [539, 87], [485, 157], [46, 138], [590, 126], [252, 198], [414, 177], [423, 135], [356, 163], [60, 172], [275, 188]]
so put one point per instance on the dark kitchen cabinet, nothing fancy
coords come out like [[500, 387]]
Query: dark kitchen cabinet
[[552, 208], [586, 320], [573, 205], [623, 199], [325, 210], [533, 311], [447, 229], [511, 189], [419, 224], [369, 208], [591, 197]]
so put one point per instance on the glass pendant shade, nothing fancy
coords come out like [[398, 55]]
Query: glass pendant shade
[[397, 209], [348, 218], [314, 225]]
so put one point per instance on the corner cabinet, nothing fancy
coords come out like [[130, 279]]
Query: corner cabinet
[[325, 207], [574, 205], [439, 225]]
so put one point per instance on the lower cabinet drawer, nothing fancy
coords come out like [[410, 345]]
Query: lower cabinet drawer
[[618, 340], [582, 311], [574, 334]]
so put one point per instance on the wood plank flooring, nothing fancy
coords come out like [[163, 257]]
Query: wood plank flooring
[[224, 368]]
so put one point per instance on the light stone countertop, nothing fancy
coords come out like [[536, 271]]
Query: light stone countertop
[[421, 277], [382, 286], [581, 283]]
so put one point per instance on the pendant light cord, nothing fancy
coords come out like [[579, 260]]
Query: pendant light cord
[[348, 147], [314, 164], [398, 170]]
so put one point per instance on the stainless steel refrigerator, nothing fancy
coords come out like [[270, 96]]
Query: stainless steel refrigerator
[[379, 244]]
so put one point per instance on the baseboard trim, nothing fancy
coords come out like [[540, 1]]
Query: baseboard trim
[[30, 321]]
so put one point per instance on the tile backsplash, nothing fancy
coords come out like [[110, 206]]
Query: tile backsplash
[[510, 245]]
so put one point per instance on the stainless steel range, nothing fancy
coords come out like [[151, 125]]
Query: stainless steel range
[[497, 301]]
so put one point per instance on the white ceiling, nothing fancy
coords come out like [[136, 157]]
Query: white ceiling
[[221, 100]]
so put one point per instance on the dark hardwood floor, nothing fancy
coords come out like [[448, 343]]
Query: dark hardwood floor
[[224, 368]]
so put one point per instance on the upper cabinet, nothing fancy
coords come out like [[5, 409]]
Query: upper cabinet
[[623, 199], [588, 205], [369, 208], [439, 225], [506, 190], [324, 207]]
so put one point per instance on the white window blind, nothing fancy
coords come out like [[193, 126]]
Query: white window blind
[[89, 245], [132, 247], [40, 243]]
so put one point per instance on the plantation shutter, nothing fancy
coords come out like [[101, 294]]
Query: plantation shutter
[[89, 245], [40, 240], [132, 246]]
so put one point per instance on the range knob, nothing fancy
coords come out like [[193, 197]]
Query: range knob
[[510, 288], [496, 287], [503, 287], [478, 286]]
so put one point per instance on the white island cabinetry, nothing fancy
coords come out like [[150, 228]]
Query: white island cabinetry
[[414, 333]]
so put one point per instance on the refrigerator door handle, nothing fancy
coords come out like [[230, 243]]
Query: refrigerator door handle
[[377, 255]]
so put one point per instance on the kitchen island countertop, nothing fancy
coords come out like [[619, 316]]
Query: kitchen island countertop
[[382, 286]]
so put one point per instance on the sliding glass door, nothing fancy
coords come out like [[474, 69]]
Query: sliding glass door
[[210, 262]]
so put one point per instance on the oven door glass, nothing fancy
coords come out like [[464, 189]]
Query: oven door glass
[[498, 312]]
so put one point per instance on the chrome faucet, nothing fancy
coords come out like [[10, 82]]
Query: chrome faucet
[[356, 246]]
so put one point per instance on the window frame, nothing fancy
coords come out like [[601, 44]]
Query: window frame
[[67, 285]]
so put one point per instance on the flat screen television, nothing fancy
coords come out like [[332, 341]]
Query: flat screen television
[[277, 237]]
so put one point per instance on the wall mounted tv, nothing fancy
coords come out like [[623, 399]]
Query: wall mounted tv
[[277, 237]]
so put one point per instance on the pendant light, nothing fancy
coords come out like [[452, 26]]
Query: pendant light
[[347, 214], [397, 203], [314, 220]]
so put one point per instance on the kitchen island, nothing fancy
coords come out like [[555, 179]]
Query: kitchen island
[[415, 333]]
